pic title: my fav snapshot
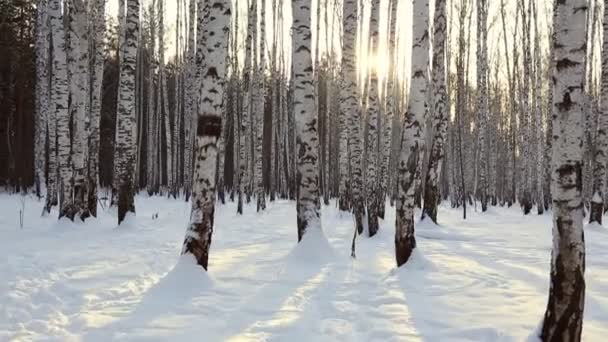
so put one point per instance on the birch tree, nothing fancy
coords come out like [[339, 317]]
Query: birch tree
[[164, 98], [245, 117], [59, 97], [79, 90], [190, 104], [125, 118], [349, 108], [412, 131], [216, 25], [391, 94], [42, 92], [599, 170], [482, 99], [564, 314], [372, 192], [440, 114], [96, 93], [309, 216], [259, 107]]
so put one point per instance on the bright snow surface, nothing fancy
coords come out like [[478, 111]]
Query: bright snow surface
[[483, 279]]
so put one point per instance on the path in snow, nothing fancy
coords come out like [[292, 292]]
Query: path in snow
[[483, 279]]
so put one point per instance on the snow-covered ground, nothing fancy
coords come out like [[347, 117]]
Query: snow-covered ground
[[483, 279]]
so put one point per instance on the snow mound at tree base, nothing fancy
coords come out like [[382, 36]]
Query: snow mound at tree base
[[313, 249], [179, 286], [186, 277], [308, 256]]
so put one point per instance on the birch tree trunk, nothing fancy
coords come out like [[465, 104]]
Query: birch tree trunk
[[96, 84], [309, 216], [599, 170], [260, 101], [411, 138], [349, 108], [564, 315], [125, 137], [482, 99], [525, 119], [42, 93], [244, 123], [440, 114], [164, 98], [373, 109], [391, 106], [216, 17], [79, 90], [152, 164], [59, 96], [539, 151]]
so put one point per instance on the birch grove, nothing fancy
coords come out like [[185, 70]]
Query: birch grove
[[373, 108]]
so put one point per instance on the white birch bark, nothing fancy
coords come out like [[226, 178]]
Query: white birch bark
[[440, 114], [564, 315], [260, 100], [152, 162], [125, 118], [482, 99], [349, 108], [189, 96], [42, 92], [245, 134], [274, 103], [164, 98], [373, 108], [309, 216], [59, 96], [79, 90], [539, 150], [526, 115], [411, 138], [215, 39], [391, 93], [99, 26], [599, 169]]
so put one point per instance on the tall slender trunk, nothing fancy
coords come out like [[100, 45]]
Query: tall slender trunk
[[349, 108], [526, 117], [373, 109], [59, 97], [391, 107], [411, 141], [42, 92], [244, 122], [96, 85], [309, 216], [79, 90], [216, 23], [599, 170], [440, 114], [126, 120], [482, 99], [539, 151], [563, 319], [259, 110]]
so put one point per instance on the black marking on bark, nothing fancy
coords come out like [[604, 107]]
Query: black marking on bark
[[566, 103], [209, 125], [565, 63]]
